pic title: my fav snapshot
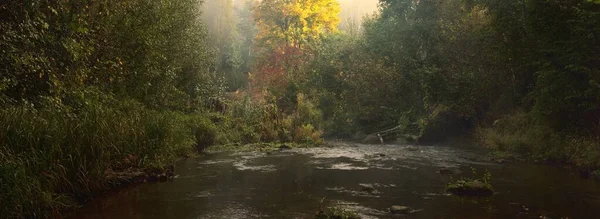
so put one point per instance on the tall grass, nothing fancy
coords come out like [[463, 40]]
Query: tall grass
[[54, 155], [62, 151], [518, 133]]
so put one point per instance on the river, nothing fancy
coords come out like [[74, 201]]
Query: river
[[296, 183]]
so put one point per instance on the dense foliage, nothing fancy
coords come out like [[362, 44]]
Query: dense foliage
[[521, 75], [92, 88]]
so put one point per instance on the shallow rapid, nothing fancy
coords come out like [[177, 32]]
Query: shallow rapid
[[296, 183]]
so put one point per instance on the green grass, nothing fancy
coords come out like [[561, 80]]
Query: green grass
[[472, 186], [54, 157], [518, 134], [336, 213]]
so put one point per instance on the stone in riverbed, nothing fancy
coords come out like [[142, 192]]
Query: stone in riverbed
[[371, 139], [448, 171], [367, 188], [399, 209], [284, 147], [411, 148], [359, 136]]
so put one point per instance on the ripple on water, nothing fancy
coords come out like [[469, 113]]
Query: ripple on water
[[362, 211], [203, 194], [324, 153], [354, 192], [212, 162], [243, 165], [234, 211], [343, 166]]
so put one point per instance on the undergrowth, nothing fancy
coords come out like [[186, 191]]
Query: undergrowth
[[54, 156], [518, 133]]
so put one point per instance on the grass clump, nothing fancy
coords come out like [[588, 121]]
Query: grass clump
[[471, 186], [336, 213], [55, 156]]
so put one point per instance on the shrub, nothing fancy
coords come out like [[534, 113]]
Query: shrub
[[205, 133]]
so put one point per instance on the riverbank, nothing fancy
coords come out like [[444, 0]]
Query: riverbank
[[518, 135], [55, 157]]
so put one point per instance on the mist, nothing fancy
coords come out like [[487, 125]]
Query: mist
[[354, 11]]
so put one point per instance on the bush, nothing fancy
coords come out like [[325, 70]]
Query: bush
[[205, 133], [246, 121]]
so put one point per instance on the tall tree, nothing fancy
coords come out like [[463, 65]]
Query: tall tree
[[295, 22]]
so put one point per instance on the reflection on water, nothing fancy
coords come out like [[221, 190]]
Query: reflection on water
[[292, 184]]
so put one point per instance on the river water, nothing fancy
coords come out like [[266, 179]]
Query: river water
[[296, 183]]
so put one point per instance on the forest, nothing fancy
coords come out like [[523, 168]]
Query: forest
[[92, 91]]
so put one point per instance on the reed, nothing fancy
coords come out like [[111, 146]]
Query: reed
[[53, 157]]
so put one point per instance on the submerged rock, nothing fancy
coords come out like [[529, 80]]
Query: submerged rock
[[371, 139], [470, 188], [448, 171], [412, 148], [359, 136], [399, 209], [367, 188]]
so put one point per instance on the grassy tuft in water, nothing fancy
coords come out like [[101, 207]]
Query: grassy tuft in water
[[471, 186], [336, 213]]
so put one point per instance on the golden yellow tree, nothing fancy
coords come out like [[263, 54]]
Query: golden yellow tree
[[283, 23]]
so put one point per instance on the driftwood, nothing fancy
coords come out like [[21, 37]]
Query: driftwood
[[377, 137], [385, 132]]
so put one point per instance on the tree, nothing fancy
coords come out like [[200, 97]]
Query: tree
[[295, 22]]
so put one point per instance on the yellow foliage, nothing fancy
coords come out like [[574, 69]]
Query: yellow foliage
[[290, 23]]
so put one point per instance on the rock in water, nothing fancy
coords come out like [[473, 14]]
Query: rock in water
[[359, 136], [367, 188], [448, 171], [371, 139], [284, 147], [399, 209], [410, 148]]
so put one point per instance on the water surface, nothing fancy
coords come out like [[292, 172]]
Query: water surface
[[296, 183]]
